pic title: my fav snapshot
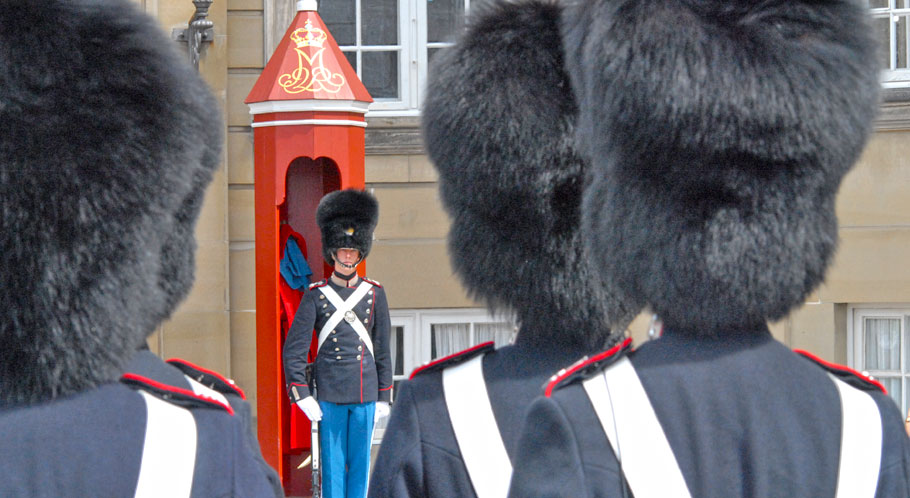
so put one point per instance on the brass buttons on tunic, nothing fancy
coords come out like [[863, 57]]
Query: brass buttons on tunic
[[358, 357], [334, 339], [359, 348], [337, 357]]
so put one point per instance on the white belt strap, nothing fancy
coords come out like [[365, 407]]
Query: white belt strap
[[342, 307], [475, 428], [637, 438], [861, 443], [169, 454]]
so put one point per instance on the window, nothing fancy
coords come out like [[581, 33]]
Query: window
[[890, 21], [420, 336], [390, 42], [880, 347]]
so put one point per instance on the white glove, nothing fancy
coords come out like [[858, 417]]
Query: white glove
[[310, 408], [382, 411]]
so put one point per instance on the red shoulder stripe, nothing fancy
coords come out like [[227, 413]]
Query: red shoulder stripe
[[217, 375], [582, 363], [138, 379], [373, 282], [445, 359], [841, 368]]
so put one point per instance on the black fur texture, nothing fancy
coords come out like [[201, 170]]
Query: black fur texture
[[719, 133], [341, 211], [109, 139], [499, 122]]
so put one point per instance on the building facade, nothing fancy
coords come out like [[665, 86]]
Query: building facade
[[859, 317]]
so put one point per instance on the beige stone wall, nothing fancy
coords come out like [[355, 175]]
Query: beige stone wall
[[246, 58]]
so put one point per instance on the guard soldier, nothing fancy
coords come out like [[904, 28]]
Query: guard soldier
[[350, 317], [109, 139], [718, 134], [498, 123]]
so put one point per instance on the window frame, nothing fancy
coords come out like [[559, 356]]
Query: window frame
[[418, 324], [856, 337], [892, 77], [412, 50]]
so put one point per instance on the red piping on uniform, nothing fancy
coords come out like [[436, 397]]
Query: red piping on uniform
[[302, 385], [574, 368], [216, 374], [386, 389], [842, 368], [174, 389], [361, 377], [447, 358]]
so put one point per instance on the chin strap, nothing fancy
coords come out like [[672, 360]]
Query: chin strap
[[344, 277], [345, 265]]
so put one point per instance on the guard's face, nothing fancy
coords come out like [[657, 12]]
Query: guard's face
[[347, 259]]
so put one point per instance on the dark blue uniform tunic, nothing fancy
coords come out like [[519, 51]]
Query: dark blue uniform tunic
[[90, 445], [419, 455], [346, 372], [743, 414], [175, 372]]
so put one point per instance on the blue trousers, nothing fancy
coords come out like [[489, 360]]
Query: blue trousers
[[345, 436]]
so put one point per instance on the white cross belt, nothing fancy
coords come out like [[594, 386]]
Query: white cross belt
[[476, 431], [342, 307], [640, 445], [169, 452]]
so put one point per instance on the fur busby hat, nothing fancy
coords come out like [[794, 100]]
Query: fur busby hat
[[347, 219], [109, 139], [499, 122], [719, 132]]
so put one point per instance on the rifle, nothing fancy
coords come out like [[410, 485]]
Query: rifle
[[314, 439]]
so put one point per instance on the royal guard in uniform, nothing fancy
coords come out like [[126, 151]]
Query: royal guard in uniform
[[718, 134], [499, 124], [109, 141], [349, 316]]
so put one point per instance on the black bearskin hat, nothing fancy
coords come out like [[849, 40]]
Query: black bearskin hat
[[499, 122], [719, 132], [346, 219], [109, 139]]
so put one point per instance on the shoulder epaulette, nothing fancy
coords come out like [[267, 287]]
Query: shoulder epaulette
[[318, 284], [454, 359], [208, 378], [846, 374], [587, 366], [174, 395], [374, 282]]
